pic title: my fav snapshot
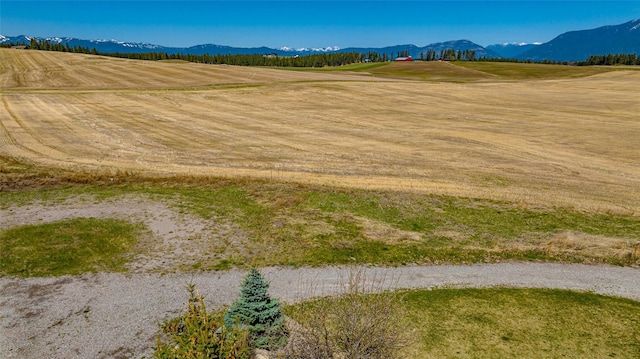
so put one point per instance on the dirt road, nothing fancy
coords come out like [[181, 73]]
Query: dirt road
[[114, 315]]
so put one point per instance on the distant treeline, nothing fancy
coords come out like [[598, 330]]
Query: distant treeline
[[273, 60], [611, 59], [48, 46], [315, 60], [322, 59]]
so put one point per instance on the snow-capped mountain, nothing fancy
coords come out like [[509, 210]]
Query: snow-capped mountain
[[112, 46], [570, 46], [511, 50], [135, 45], [104, 46]]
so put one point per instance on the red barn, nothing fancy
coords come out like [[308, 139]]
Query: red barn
[[408, 58]]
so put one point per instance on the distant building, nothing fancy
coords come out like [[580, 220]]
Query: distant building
[[400, 59]]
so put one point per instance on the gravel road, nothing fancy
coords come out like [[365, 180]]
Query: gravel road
[[110, 315]]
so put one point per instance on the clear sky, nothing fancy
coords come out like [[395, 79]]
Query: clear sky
[[309, 23]]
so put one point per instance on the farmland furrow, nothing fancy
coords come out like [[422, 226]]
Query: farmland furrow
[[57, 122], [19, 139], [6, 139]]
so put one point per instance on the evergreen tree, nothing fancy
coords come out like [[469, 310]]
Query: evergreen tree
[[260, 313]]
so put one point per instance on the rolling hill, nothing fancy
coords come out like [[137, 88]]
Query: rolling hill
[[552, 142]]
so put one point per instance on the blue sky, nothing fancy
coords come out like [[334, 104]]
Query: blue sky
[[310, 23]]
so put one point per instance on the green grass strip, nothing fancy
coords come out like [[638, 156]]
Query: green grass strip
[[522, 323], [514, 323], [73, 246]]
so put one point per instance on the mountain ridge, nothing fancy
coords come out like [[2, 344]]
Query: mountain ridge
[[579, 45], [511, 50], [112, 46], [570, 46]]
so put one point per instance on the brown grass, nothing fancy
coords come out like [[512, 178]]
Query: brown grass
[[568, 142], [432, 71], [569, 243]]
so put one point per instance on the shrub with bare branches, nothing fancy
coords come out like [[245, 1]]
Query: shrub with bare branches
[[362, 322]]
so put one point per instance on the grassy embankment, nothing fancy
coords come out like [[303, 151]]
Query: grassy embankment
[[286, 224]]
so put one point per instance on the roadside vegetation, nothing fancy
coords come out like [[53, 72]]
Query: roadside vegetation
[[366, 321], [362, 321], [201, 334]]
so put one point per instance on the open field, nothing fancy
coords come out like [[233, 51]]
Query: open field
[[568, 143], [20, 70]]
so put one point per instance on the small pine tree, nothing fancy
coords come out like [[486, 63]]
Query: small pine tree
[[259, 312]]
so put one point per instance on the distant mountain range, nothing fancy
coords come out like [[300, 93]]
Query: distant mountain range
[[111, 46], [579, 45], [570, 46]]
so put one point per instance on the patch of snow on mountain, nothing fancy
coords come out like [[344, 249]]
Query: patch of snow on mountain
[[140, 45], [309, 49], [329, 48], [520, 43]]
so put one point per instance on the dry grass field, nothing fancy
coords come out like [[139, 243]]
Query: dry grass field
[[563, 141]]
